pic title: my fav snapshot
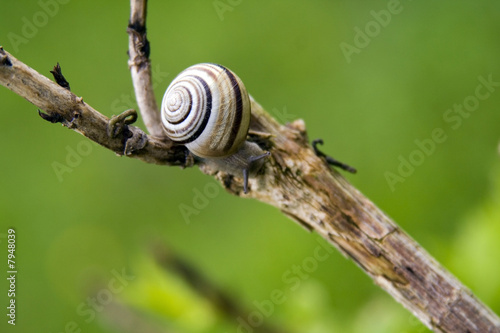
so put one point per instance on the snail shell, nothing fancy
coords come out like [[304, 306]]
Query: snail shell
[[207, 108]]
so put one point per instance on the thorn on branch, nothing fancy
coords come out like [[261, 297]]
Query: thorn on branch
[[330, 160], [59, 77], [53, 118], [4, 59]]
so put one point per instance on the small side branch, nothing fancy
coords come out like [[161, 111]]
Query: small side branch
[[140, 68]]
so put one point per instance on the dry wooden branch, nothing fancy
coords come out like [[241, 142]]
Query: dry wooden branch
[[293, 179], [62, 106]]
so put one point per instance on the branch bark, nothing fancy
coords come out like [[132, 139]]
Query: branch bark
[[293, 179], [305, 189], [140, 68], [63, 106]]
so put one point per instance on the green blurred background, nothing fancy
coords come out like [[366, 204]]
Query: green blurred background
[[75, 231]]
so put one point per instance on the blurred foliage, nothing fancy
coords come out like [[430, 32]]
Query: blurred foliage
[[476, 246], [77, 230]]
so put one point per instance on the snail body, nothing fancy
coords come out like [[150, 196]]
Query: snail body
[[207, 108]]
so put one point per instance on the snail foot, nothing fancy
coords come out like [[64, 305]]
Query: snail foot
[[246, 171]]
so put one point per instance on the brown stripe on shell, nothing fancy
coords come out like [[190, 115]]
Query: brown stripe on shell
[[225, 117], [192, 124], [235, 127]]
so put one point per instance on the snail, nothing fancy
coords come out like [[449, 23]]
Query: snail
[[207, 108]]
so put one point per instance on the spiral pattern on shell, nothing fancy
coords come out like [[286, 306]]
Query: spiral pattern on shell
[[207, 108]]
